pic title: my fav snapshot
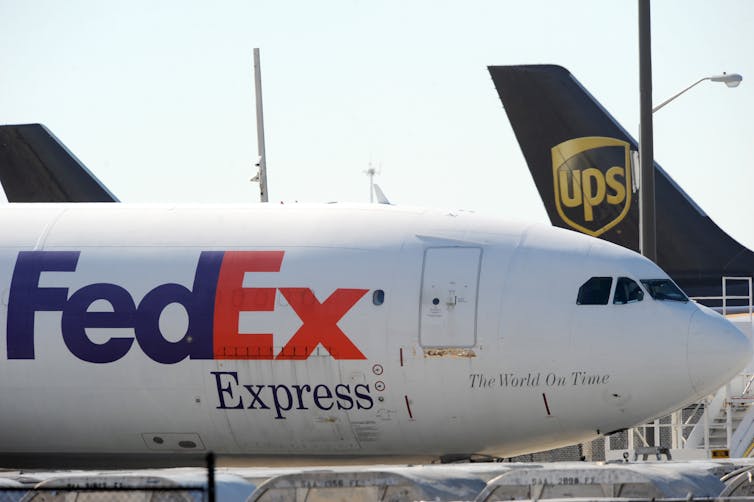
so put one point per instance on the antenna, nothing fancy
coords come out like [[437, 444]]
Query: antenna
[[371, 171], [261, 164]]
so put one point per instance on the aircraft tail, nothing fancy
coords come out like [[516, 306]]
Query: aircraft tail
[[35, 166], [581, 160]]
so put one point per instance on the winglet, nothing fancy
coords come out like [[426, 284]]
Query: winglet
[[381, 199]]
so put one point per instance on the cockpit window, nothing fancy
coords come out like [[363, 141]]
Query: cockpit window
[[627, 291], [664, 289], [595, 291]]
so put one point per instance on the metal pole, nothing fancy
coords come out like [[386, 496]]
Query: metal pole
[[260, 129], [371, 172], [656, 433], [728, 417], [748, 279], [211, 477], [675, 427], [706, 426], [671, 98], [647, 241], [630, 439]]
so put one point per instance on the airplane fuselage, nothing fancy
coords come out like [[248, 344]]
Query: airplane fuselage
[[326, 330]]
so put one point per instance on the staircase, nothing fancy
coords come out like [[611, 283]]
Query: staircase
[[725, 419]]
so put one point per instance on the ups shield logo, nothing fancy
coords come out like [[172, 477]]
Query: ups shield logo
[[592, 181]]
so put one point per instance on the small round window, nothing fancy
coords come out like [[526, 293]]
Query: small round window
[[378, 297]]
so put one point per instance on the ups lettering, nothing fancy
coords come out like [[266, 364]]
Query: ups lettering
[[590, 188]]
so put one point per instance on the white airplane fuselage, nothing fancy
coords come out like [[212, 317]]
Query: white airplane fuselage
[[329, 330]]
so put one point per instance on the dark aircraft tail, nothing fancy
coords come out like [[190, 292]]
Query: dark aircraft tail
[[36, 167], [581, 161]]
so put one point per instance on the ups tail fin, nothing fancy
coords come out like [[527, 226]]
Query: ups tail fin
[[580, 159], [37, 167], [547, 107]]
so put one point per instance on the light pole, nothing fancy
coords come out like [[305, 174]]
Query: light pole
[[647, 235], [730, 79], [647, 221]]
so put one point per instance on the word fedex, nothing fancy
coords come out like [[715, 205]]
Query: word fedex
[[213, 305]]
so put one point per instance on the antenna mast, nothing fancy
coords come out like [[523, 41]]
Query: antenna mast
[[371, 171], [261, 176]]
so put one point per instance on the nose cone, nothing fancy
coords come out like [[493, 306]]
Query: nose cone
[[717, 351]]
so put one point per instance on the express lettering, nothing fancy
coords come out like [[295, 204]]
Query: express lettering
[[232, 395], [213, 305]]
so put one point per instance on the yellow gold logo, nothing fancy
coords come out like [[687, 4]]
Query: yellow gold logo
[[592, 181]]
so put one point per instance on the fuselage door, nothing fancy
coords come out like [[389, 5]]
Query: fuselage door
[[449, 297]]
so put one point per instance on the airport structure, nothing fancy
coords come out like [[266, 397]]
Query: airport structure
[[278, 346], [481, 482]]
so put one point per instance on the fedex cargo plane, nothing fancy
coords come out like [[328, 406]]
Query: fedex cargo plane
[[137, 334], [580, 158]]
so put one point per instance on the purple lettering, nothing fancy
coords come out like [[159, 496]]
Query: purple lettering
[[299, 394], [227, 389], [276, 399], [76, 319], [199, 304], [343, 393], [363, 396], [319, 396], [26, 297], [255, 397]]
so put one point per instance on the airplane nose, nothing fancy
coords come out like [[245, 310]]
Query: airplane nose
[[716, 352]]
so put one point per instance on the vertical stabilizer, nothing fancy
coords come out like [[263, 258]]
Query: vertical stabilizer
[[581, 160], [36, 167]]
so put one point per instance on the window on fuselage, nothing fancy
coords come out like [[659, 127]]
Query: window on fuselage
[[664, 289], [595, 291], [627, 291]]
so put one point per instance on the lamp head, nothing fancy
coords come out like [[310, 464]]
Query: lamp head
[[730, 79]]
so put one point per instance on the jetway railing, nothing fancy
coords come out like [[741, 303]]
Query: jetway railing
[[725, 297]]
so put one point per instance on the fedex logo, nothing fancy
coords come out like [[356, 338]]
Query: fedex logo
[[213, 305]]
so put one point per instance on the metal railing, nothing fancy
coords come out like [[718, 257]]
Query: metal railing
[[725, 297]]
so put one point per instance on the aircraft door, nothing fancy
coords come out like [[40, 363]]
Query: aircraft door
[[449, 292]]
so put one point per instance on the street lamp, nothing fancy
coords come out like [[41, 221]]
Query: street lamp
[[647, 235], [730, 79]]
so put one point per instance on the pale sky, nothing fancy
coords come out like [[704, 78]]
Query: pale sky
[[156, 97]]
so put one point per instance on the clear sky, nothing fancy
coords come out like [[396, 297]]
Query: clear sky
[[156, 97]]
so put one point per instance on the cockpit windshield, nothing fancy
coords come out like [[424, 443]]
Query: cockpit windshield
[[595, 291], [627, 291], [664, 289]]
